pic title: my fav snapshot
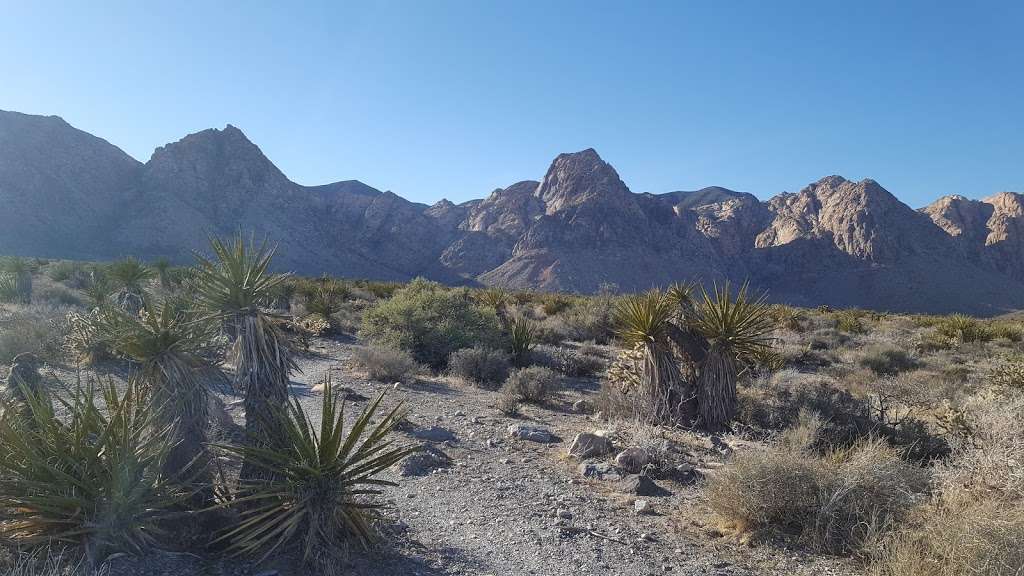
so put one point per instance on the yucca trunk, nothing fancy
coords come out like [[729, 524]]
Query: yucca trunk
[[181, 402], [716, 388], [661, 387], [262, 367], [23, 286]]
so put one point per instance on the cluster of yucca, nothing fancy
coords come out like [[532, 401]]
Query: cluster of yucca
[[685, 353], [109, 474]]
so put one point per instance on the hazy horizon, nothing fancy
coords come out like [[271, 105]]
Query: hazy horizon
[[454, 99]]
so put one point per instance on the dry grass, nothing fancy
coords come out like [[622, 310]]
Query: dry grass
[[840, 502], [386, 364]]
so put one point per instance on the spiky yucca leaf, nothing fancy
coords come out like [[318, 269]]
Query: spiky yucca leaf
[[233, 286], [643, 317], [643, 322], [735, 326], [521, 336], [130, 275], [237, 279], [495, 298], [326, 299], [321, 478], [92, 477], [8, 287], [739, 323], [168, 343]]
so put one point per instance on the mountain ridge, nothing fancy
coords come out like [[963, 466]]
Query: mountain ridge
[[67, 193]]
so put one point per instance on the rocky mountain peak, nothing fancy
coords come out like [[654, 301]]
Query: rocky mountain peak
[[578, 178]]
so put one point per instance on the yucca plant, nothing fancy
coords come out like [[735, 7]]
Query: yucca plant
[[232, 286], [8, 287], [643, 324], [168, 344], [497, 299], [20, 272], [326, 299], [162, 266], [322, 477], [129, 278], [735, 326], [92, 477], [961, 328], [98, 289], [521, 336]]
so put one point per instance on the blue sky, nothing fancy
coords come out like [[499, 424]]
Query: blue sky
[[452, 99]]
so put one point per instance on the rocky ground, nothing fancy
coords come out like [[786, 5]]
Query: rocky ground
[[479, 501]]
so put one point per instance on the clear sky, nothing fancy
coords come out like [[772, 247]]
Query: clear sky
[[436, 98]]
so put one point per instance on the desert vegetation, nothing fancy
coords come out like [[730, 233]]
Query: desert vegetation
[[150, 406]]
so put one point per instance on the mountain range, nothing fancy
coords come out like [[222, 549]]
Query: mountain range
[[65, 193]]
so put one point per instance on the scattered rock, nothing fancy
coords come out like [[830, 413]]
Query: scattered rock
[[686, 474], [599, 471], [531, 433], [581, 407], [632, 460], [643, 507], [641, 485], [434, 434], [564, 514], [589, 445], [423, 462]]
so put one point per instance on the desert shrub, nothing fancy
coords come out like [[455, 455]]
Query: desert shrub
[[508, 404], [386, 364], [850, 321], [836, 503], [955, 539], [551, 330], [789, 318], [933, 342], [590, 319], [534, 384], [776, 402], [57, 295], [8, 287], [92, 478], [827, 339], [316, 499], [554, 303], [887, 360], [1009, 373], [1007, 331], [569, 361], [482, 366], [36, 328], [431, 322], [961, 328]]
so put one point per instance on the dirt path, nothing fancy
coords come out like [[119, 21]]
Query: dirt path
[[505, 506]]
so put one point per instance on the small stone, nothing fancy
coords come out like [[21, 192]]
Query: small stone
[[564, 514], [642, 485], [589, 445], [531, 433], [599, 471], [423, 462], [581, 407], [632, 460], [643, 507], [434, 434]]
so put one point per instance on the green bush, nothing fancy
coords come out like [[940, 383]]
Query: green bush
[[482, 366], [431, 322]]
